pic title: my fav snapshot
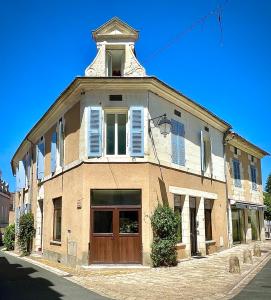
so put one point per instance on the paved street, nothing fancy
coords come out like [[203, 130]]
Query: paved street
[[21, 280], [259, 288]]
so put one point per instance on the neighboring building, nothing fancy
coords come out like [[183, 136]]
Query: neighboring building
[[4, 206], [245, 194], [11, 218], [96, 165]]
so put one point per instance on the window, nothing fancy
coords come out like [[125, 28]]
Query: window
[[115, 97], [115, 62], [208, 204], [235, 151], [177, 113], [40, 159], [103, 221], [116, 133], [128, 222], [115, 197], [178, 207], [253, 177], [236, 173], [57, 219], [252, 158]]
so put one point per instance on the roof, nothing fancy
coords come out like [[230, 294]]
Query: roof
[[233, 136], [150, 83], [115, 28]]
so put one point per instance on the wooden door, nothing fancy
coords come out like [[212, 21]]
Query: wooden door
[[193, 231], [116, 235]]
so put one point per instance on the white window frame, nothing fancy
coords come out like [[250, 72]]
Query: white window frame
[[117, 111]]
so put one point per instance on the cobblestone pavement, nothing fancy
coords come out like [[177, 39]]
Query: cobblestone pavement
[[205, 278]]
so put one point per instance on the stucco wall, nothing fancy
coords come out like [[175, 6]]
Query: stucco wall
[[245, 192]]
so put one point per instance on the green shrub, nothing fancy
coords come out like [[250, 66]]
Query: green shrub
[[26, 233], [9, 237], [164, 225]]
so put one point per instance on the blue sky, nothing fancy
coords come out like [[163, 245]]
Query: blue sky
[[45, 44]]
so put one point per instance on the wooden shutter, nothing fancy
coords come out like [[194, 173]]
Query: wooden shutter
[[53, 151], [21, 174], [253, 177], [40, 160], [61, 142], [137, 131], [177, 143], [95, 132]]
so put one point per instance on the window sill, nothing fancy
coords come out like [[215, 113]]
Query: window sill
[[211, 242], [56, 243], [180, 245]]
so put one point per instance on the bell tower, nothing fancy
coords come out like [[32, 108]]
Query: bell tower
[[116, 57]]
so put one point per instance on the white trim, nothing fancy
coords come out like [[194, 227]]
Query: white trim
[[191, 192]]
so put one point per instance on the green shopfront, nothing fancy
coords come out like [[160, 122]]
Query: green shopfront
[[247, 222]]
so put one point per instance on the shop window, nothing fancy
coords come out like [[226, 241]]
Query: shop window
[[57, 219], [116, 133]]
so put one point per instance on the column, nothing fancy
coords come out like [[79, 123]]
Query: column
[[247, 228], [230, 225], [201, 227], [186, 226], [262, 229]]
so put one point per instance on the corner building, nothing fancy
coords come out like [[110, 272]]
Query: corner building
[[96, 165]]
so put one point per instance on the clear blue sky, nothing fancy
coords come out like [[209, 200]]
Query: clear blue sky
[[45, 44]]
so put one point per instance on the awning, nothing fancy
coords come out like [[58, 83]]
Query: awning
[[241, 205], [247, 205]]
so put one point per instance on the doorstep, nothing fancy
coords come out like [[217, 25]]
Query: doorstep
[[115, 266]]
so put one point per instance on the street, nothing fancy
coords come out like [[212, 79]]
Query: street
[[22, 280], [259, 287]]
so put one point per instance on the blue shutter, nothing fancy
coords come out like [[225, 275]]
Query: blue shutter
[[236, 172], [253, 177], [202, 151], [53, 152], [40, 160], [137, 131], [95, 132], [21, 174], [177, 143]]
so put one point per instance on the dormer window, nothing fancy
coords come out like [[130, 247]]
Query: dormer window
[[115, 62]]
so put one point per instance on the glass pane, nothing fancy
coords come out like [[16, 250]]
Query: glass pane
[[178, 212], [57, 221], [208, 224], [128, 222], [122, 134], [116, 197], [103, 221], [110, 134]]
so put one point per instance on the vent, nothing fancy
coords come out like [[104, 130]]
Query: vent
[[177, 113], [115, 97], [206, 128]]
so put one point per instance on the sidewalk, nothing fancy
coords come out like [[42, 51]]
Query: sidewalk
[[205, 278]]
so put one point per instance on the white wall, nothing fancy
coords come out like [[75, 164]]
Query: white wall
[[155, 106]]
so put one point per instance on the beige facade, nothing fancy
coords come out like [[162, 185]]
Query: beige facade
[[57, 169], [244, 186]]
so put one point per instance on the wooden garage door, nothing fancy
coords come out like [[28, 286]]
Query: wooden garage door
[[116, 229]]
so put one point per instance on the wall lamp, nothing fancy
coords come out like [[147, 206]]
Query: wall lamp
[[163, 123]]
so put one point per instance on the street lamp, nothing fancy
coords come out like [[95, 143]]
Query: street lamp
[[163, 123]]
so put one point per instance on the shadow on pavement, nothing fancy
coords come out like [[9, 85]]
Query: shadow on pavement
[[16, 283]]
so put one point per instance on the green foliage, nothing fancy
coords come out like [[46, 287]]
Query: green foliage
[[9, 237], [164, 224], [26, 233], [267, 202], [268, 185]]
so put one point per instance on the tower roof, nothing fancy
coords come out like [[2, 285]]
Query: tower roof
[[115, 29]]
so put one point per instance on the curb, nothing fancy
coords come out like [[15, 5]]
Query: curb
[[236, 289], [39, 264]]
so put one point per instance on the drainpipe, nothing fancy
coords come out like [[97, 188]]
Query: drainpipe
[[225, 141]]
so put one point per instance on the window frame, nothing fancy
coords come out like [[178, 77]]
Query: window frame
[[56, 209], [116, 112]]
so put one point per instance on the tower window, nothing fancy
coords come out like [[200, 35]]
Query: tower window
[[115, 62]]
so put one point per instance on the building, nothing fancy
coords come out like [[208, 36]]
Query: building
[[112, 146], [245, 193], [4, 206]]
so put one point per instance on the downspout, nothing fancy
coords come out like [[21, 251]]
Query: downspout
[[225, 141]]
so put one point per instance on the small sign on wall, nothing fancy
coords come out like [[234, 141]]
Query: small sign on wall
[[79, 204]]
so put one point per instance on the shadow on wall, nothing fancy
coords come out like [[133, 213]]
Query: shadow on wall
[[15, 283]]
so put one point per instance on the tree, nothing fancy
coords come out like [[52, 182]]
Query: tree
[[268, 185], [267, 202], [26, 233], [9, 237]]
